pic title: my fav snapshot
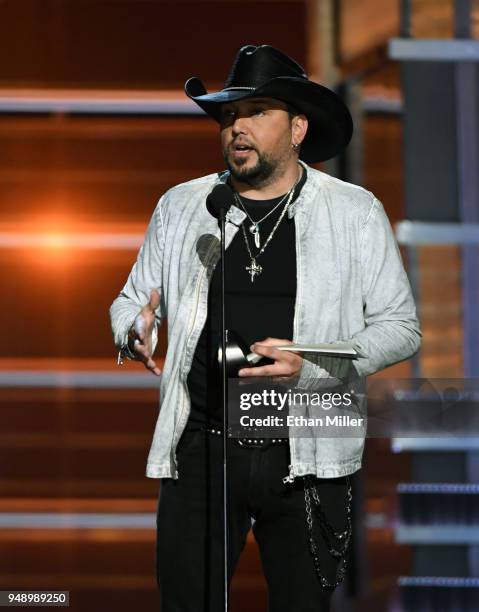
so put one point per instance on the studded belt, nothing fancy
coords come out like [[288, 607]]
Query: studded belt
[[250, 442]]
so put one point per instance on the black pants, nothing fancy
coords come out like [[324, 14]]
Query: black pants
[[190, 527]]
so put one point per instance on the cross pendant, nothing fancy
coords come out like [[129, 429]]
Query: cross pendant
[[254, 269]]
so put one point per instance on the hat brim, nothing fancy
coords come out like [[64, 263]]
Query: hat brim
[[330, 126]]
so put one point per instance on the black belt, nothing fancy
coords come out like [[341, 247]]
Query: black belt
[[250, 442]]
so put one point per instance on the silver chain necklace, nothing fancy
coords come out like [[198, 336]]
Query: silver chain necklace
[[255, 269], [254, 227]]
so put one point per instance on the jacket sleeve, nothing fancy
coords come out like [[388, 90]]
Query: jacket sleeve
[[391, 332], [144, 276]]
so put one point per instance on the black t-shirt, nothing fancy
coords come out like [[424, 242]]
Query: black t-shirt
[[255, 310]]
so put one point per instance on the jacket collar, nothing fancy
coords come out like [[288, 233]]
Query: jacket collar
[[307, 192]]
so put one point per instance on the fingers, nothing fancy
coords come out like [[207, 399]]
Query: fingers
[[261, 345], [143, 350], [268, 351], [258, 371], [139, 327], [154, 300], [145, 356], [287, 363], [268, 370], [279, 368], [272, 341], [151, 365], [146, 318], [141, 332]]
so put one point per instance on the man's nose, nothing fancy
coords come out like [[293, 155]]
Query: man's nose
[[240, 125]]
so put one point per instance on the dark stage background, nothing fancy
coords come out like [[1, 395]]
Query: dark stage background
[[82, 165]]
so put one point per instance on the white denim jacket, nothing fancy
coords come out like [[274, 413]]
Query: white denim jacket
[[351, 285]]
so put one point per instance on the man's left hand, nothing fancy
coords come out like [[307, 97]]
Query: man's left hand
[[286, 363]]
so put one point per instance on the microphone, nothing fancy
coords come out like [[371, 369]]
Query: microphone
[[220, 200]]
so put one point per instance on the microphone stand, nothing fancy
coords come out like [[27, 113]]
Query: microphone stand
[[217, 203], [222, 218]]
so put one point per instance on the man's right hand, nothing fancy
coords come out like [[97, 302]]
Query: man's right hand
[[140, 334]]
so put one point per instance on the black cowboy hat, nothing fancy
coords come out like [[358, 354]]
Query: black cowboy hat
[[263, 71]]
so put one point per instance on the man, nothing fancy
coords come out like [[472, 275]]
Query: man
[[309, 259]]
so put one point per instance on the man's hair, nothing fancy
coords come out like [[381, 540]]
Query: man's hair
[[292, 110]]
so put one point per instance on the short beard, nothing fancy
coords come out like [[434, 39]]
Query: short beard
[[260, 174]]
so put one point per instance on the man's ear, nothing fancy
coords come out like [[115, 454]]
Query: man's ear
[[299, 128]]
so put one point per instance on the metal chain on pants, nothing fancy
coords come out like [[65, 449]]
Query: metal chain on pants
[[337, 541]]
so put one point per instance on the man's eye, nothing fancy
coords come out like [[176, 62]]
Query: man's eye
[[258, 111]]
